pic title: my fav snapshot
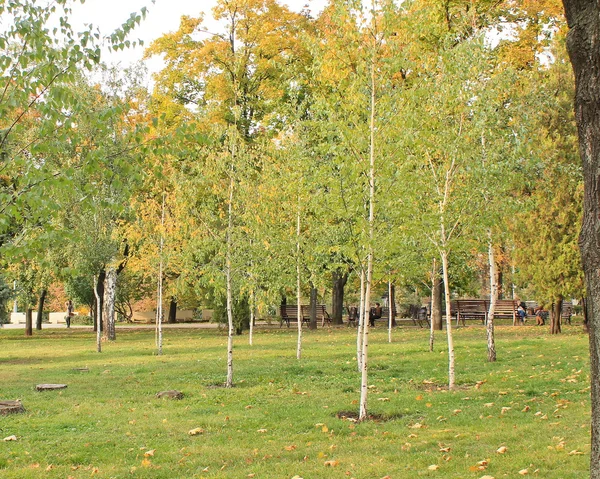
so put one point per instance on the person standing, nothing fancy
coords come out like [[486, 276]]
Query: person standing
[[69, 305]]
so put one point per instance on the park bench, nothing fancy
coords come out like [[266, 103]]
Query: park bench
[[476, 309], [506, 309], [289, 312]]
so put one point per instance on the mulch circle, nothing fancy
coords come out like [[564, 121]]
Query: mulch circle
[[50, 387], [11, 407], [173, 394], [352, 416]]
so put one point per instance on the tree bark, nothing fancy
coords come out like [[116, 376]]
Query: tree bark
[[99, 294], [40, 311], [361, 320], [29, 321], [583, 45], [337, 296], [436, 302], [392, 300], [451, 365], [494, 291], [298, 292], [555, 319], [110, 292], [98, 312], [313, 307], [173, 310]]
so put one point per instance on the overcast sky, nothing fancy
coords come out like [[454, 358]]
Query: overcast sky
[[163, 16]]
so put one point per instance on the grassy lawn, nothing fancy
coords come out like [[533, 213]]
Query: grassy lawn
[[280, 419]]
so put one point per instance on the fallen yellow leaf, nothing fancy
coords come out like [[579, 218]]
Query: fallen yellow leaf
[[196, 431], [501, 449], [433, 467], [331, 463]]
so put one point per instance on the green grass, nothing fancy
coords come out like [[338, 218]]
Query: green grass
[[280, 419]]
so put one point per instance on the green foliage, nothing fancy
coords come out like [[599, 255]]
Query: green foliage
[[240, 309], [6, 294]]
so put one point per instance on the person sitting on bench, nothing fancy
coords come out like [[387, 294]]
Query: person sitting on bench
[[375, 313]]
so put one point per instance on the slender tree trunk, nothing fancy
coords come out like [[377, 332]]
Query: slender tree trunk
[[363, 413], [491, 343], [99, 294], [172, 310], [434, 305], [159, 299], [298, 292], [337, 296], [29, 321], [110, 291], [393, 303], [252, 317], [436, 299], [313, 307], [451, 361], [97, 280], [555, 320], [40, 310], [390, 311], [361, 320], [583, 45], [229, 382]]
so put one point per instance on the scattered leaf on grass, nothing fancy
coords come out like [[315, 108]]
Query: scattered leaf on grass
[[524, 472], [501, 449], [331, 463], [383, 399], [196, 431], [149, 453], [261, 430], [433, 467], [575, 453], [11, 438], [290, 448]]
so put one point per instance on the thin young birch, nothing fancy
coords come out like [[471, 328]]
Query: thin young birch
[[251, 333], [298, 295], [159, 306], [98, 315], [431, 328], [390, 309], [229, 382], [361, 320], [491, 344], [363, 414]]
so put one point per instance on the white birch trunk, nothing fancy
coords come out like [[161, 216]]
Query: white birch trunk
[[159, 306], [363, 413], [451, 368], [251, 334], [298, 295], [431, 330], [390, 308], [361, 320], [110, 292], [229, 382], [98, 317], [491, 344]]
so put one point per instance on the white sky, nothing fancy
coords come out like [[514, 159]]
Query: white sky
[[163, 16]]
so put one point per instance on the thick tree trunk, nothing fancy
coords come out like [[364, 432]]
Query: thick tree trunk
[[436, 301], [110, 292], [583, 45], [173, 310], [29, 321], [494, 290], [584, 311], [40, 311], [313, 307], [337, 296], [555, 319]]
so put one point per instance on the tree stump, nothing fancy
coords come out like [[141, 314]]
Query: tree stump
[[50, 387], [11, 407], [173, 394]]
